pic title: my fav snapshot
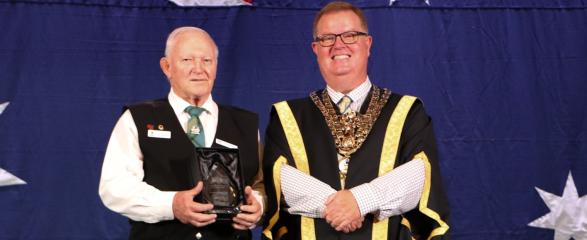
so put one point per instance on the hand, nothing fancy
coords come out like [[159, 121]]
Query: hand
[[354, 225], [342, 212], [250, 213], [189, 212]]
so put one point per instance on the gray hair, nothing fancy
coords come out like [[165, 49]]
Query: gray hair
[[178, 31]]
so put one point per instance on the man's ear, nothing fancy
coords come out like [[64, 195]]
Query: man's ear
[[369, 43], [315, 47], [164, 63]]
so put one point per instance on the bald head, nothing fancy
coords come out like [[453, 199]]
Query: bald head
[[197, 32]]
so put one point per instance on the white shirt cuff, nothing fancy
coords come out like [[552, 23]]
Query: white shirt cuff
[[166, 209], [367, 199], [304, 194]]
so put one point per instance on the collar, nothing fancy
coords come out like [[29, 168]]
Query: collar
[[178, 104], [358, 93]]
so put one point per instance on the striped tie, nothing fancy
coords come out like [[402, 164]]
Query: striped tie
[[195, 131], [344, 105]]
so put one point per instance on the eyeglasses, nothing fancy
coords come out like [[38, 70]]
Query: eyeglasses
[[349, 37]]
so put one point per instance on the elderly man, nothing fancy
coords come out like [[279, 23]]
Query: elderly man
[[352, 161], [146, 175]]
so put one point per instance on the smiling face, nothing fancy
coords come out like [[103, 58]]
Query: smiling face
[[343, 66], [190, 65]]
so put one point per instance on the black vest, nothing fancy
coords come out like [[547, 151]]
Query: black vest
[[167, 164]]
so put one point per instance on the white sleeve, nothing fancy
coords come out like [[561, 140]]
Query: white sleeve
[[394, 193], [304, 194], [122, 188]]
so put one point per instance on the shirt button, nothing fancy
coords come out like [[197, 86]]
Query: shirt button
[[198, 235]]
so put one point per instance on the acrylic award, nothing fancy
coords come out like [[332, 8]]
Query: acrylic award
[[221, 172]]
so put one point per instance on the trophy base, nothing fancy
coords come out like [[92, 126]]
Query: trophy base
[[224, 213]]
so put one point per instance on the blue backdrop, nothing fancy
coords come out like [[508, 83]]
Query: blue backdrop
[[504, 81]]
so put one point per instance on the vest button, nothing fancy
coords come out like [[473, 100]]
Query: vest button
[[198, 235]]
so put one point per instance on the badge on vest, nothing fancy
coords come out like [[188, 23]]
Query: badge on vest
[[158, 134], [226, 144]]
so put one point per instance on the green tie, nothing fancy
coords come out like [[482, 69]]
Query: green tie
[[195, 131], [344, 104]]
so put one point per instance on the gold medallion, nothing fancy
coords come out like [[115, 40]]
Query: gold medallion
[[351, 129]]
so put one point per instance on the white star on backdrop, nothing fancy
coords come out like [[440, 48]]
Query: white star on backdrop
[[568, 214], [7, 178]]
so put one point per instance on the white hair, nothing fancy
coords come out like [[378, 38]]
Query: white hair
[[178, 31]]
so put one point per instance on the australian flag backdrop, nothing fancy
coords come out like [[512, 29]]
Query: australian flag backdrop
[[504, 81]]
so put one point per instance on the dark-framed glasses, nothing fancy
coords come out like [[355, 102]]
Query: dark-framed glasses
[[350, 37]]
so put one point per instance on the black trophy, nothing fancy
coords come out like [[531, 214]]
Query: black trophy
[[220, 171]]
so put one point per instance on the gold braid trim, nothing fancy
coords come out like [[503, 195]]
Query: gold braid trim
[[389, 153], [293, 135], [282, 231], [393, 134], [296, 145], [423, 207], [406, 223], [277, 185]]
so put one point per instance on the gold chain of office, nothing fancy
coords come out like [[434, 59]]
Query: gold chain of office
[[351, 129]]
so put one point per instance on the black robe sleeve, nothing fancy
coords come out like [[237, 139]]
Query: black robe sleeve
[[275, 146], [418, 136]]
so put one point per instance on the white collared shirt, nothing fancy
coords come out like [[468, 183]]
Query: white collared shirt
[[209, 118], [357, 95], [122, 188]]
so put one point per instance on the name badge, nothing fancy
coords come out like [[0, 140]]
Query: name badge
[[159, 134], [225, 144]]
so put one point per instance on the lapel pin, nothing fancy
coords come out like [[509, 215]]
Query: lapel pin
[[195, 130]]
